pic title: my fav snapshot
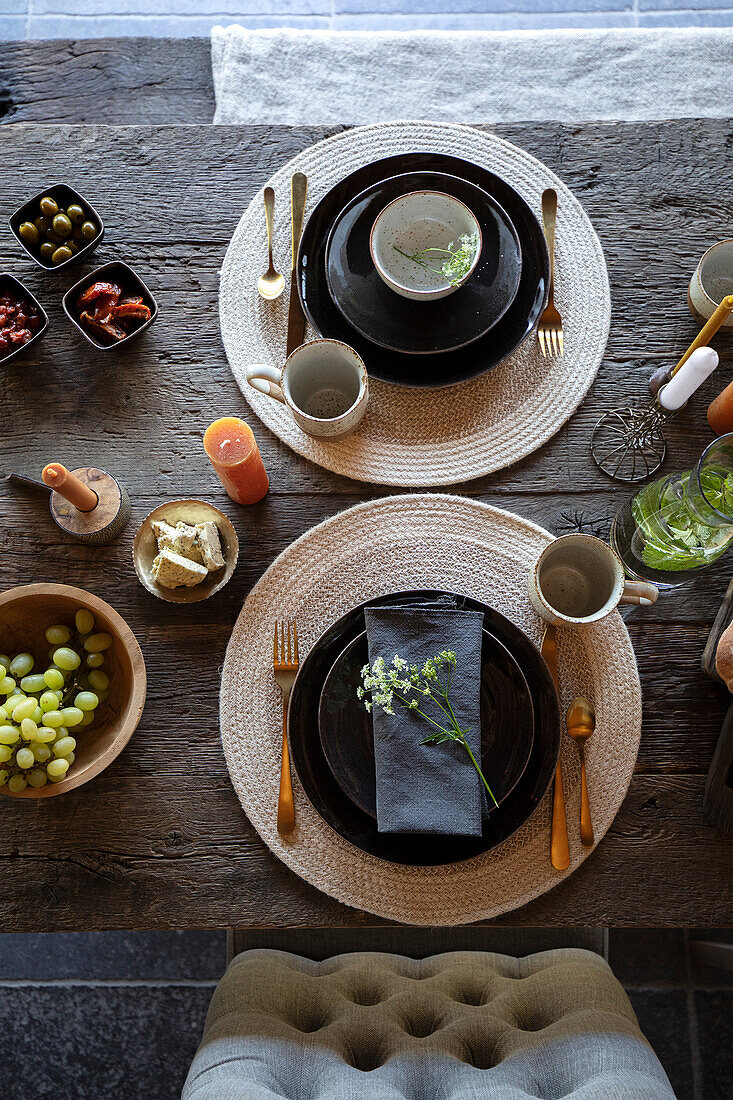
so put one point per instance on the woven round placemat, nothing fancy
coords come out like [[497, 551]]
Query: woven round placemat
[[419, 437], [407, 542]]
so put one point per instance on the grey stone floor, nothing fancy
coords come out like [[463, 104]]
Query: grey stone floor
[[91, 1016], [98, 18]]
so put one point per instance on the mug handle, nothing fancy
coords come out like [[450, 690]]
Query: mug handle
[[266, 379], [639, 592]]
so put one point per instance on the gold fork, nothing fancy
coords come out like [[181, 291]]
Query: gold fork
[[285, 666], [549, 331]]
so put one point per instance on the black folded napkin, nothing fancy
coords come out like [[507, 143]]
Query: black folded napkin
[[428, 788]]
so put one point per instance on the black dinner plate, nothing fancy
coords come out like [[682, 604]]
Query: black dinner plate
[[403, 324], [450, 367], [358, 827], [507, 723]]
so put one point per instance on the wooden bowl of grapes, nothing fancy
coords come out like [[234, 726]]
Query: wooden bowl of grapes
[[72, 689]]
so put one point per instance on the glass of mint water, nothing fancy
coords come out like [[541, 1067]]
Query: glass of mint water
[[677, 525]]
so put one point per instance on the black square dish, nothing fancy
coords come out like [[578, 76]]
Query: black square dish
[[122, 275], [12, 285], [64, 196]]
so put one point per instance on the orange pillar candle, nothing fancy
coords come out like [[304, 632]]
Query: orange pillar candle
[[232, 449], [720, 412], [58, 478]]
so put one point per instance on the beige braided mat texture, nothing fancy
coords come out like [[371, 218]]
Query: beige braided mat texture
[[407, 542], [419, 437]]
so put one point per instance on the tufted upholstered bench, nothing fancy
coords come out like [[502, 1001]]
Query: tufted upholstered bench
[[466, 1025]]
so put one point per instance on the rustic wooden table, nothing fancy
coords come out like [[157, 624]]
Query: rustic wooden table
[[159, 840]]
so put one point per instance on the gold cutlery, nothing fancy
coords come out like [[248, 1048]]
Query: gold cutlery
[[270, 285], [559, 850], [296, 317], [581, 722], [285, 667], [549, 331]]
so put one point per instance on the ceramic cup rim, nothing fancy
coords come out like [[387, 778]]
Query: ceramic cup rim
[[423, 291], [611, 603], [359, 364], [701, 265]]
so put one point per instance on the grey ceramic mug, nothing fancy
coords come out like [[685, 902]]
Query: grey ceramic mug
[[579, 579]]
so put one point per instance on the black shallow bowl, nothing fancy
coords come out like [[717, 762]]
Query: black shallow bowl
[[402, 324], [9, 282], [347, 738], [358, 827], [447, 368], [64, 196], [117, 272]]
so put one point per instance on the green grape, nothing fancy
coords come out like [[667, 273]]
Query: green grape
[[24, 709], [22, 664], [17, 783], [66, 659], [41, 753], [58, 635], [57, 768], [37, 778], [9, 735], [95, 660], [4, 660], [72, 716], [71, 757], [5, 753], [4, 776], [54, 678], [99, 680], [33, 685], [86, 700], [49, 701], [37, 715], [45, 734], [6, 685], [84, 621], [11, 703], [95, 643], [64, 746], [28, 729], [24, 758], [88, 718], [53, 718], [3, 670]]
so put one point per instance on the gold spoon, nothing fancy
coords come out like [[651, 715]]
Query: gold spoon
[[581, 722], [270, 285]]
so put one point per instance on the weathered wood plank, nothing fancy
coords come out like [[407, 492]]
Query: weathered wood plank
[[159, 840], [115, 80]]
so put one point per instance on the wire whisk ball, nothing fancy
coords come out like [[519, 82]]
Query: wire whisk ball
[[628, 444]]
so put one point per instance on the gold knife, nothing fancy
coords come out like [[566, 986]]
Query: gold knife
[[559, 850], [296, 317]]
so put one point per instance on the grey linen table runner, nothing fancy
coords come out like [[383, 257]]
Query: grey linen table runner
[[428, 788]]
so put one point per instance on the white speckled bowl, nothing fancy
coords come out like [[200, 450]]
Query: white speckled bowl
[[410, 223]]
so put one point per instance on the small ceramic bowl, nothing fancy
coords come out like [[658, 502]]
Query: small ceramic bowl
[[411, 223], [145, 548], [64, 196], [131, 283], [9, 282], [712, 280]]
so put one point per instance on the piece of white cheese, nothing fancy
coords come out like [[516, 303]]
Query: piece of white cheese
[[209, 543], [163, 532], [172, 570], [181, 539]]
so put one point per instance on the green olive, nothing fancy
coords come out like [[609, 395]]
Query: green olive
[[47, 251], [29, 234], [49, 206], [73, 246], [41, 224], [53, 237], [89, 230], [62, 225], [60, 254], [75, 213]]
